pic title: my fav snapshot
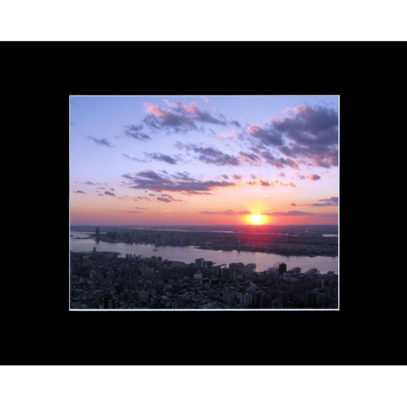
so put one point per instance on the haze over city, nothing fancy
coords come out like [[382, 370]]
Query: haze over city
[[203, 160]]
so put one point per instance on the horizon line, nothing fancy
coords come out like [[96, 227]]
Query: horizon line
[[223, 225]]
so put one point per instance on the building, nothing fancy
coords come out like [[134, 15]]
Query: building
[[282, 268], [200, 263], [250, 267]]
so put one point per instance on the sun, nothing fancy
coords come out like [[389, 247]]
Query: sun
[[256, 219]]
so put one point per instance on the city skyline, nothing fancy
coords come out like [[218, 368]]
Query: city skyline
[[203, 160]]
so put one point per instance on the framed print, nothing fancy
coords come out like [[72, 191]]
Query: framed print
[[202, 203]]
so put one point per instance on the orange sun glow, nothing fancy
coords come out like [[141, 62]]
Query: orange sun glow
[[256, 219]]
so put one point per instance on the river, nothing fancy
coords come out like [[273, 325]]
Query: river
[[80, 243]]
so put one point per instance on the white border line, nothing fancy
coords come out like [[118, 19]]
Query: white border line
[[202, 309]]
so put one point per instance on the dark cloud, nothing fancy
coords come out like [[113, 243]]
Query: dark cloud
[[265, 183], [280, 162], [109, 193], [237, 177], [78, 192], [101, 141], [332, 201], [227, 212], [249, 157], [210, 155], [306, 133], [266, 135], [289, 213], [135, 133], [150, 180], [312, 177], [179, 118], [299, 213], [194, 112], [167, 198], [162, 157]]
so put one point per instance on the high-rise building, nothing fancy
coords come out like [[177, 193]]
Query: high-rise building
[[282, 268], [200, 262]]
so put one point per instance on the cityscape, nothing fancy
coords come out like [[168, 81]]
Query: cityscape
[[204, 203]]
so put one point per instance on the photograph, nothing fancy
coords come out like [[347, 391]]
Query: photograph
[[204, 202]]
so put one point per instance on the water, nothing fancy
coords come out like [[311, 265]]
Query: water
[[188, 254]]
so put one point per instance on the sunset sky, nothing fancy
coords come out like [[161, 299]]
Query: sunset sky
[[203, 160]]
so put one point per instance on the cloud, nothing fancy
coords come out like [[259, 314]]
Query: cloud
[[142, 198], [101, 141], [265, 183], [109, 193], [227, 212], [210, 155], [299, 213], [266, 135], [180, 118], [167, 198], [162, 157], [312, 177], [194, 112], [305, 133], [176, 118], [183, 183], [78, 192], [289, 213], [249, 157], [133, 158], [332, 201], [135, 133], [289, 184], [237, 177], [280, 162]]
